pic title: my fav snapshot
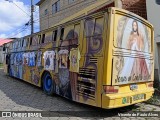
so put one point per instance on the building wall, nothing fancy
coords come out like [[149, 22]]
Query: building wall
[[66, 9], [136, 6], [154, 18]]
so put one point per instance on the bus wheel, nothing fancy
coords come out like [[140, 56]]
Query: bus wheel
[[48, 84]]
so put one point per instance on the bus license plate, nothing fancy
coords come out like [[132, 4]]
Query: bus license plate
[[138, 97], [133, 86]]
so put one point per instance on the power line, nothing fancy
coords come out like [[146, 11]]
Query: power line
[[32, 10], [24, 29], [18, 7]]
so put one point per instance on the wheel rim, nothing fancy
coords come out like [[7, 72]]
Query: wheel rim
[[48, 83]]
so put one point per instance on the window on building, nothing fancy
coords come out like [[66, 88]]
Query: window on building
[[46, 11], [56, 7], [70, 1]]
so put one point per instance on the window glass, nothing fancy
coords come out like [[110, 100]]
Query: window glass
[[98, 26], [39, 39], [30, 40], [53, 8], [54, 35], [24, 42], [62, 34], [35, 40], [89, 27], [56, 7], [76, 30], [70, 1], [48, 37], [43, 38], [69, 32], [46, 12]]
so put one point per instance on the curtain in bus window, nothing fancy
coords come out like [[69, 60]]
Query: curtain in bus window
[[63, 58], [49, 57], [39, 55], [31, 57], [74, 60]]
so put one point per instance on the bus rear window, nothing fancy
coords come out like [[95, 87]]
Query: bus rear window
[[132, 34]]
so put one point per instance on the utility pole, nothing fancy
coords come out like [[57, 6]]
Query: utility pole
[[32, 10]]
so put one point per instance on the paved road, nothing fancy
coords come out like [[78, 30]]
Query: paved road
[[17, 95]]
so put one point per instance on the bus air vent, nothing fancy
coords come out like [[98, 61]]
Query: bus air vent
[[87, 73], [93, 60]]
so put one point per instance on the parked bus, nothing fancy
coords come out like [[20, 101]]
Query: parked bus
[[103, 59]]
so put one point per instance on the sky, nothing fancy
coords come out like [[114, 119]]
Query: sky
[[14, 14]]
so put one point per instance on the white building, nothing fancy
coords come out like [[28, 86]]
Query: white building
[[153, 14]]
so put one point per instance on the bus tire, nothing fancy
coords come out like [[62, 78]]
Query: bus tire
[[48, 84]]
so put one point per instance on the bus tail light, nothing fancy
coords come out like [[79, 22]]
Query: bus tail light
[[150, 84], [110, 89]]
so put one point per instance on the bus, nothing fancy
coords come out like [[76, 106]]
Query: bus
[[103, 59]]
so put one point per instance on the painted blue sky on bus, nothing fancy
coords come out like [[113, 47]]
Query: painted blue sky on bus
[[14, 15]]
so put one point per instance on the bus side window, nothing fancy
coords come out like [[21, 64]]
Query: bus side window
[[48, 37], [94, 27], [19, 43], [54, 35], [62, 34], [30, 41], [76, 31], [43, 38], [89, 27], [34, 40], [98, 30], [22, 42], [27, 42], [39, 39], [69, 32]]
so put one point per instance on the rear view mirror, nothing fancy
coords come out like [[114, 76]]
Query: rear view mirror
[[4, 48], [158, 2]]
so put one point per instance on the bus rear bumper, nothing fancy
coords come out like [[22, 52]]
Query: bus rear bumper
[[110, 101]]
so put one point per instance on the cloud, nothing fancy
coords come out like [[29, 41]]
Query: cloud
[[12, 18], [3, 36]]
